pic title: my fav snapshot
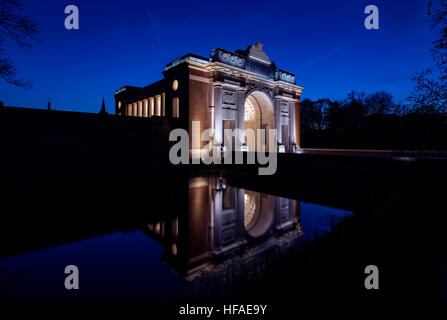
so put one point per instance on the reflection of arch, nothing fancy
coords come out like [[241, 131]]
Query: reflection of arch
[[258, 114], [259, 212]]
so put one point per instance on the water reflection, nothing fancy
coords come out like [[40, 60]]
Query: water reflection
[[212, 234], [223, 221]]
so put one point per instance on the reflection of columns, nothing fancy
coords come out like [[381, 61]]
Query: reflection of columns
[[285, 214], [240, 202], [218, 220], [277, 214], [240, 107], [298, 216], [278, 119], [218, 114], [292, 204]]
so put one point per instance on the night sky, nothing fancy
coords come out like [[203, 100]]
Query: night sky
[[129, 42]]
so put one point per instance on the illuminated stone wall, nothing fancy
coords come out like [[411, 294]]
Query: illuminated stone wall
[[214, 91]]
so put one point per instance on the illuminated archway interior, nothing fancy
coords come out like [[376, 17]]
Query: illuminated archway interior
[[258, 212], [258, 114]]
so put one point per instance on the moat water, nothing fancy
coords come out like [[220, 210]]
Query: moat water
[[222, 234]]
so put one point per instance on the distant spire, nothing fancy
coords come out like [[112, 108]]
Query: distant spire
[[103, 107], [49, 105]]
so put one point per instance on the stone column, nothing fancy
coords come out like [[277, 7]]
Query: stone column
[[158, 105], [240, 118], [278, 119], [218, 135], [145, 108], [151, 106], [140, 108], [292, 137]]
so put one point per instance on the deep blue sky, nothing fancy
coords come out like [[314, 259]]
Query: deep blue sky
[[129, 42]]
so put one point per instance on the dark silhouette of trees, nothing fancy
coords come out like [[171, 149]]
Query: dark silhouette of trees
[[336, 120], [19, 28], [430, 93], [370, 121], [375, 121], [345, 115], [380, 102], [313, 114], [438, 22]]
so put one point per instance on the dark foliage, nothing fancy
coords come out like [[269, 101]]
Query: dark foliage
[[373, 121], [430, 92], [22, 30]]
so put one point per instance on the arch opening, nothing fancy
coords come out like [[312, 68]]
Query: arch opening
[[258, 114], [259, 212]]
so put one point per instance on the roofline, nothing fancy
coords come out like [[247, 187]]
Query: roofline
[[187, 57]]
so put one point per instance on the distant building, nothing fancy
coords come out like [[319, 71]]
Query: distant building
[[230, 90]]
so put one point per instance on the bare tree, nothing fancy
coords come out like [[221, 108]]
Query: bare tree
[[379, 102], [430, 93], [438, 22], [20, 29]]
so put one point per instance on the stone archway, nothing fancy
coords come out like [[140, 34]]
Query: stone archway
[[258, 114]]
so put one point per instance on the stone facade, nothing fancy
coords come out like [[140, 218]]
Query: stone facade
[[217, 92]]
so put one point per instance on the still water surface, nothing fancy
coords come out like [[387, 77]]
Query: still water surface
[[222, 234]]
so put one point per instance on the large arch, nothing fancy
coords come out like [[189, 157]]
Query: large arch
[[258, 114], [259, 211]]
